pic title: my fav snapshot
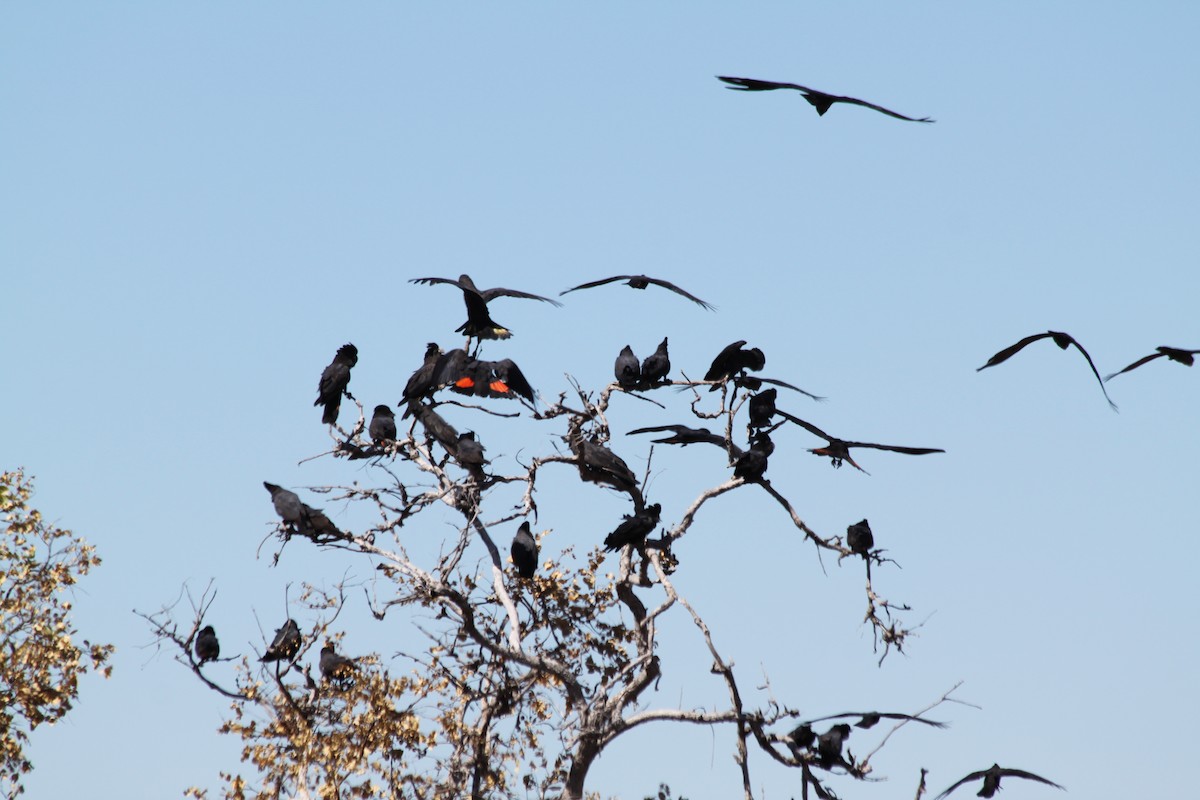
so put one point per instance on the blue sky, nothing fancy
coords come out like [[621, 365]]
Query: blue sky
[[199, 204]]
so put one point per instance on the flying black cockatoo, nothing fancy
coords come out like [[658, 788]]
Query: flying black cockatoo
[[838, 450], [1063, 340], [627, 369], [336, 668], [656, 366], [682, 435], [634, 529], [334, 381], [479, 324], [1184, 357], [286, 643], [383, 425], [991, 780], [525, 552], [818, 99], [641, 282], [206, 646]]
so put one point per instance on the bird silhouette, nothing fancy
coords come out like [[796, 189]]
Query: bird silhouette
[[436, 428], [334, 380], [1184, 357], [286, 643], [525, 552], [751, 464], [467, 375], [733, 360], [838, 450], [469, 454], [991, 780], [383, 425], [634, 529], [860, 540], [337, 668], [1063, 340], [627, 369], [682, 435], [656, 366], [422, 382], [821, 101], [479, 324], [762, 408], [299, 517], [829, 746], [598, 464], [206, 646], [641, 282]]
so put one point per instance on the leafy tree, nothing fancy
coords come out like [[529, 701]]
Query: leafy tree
[[521, 682], [40, 663]]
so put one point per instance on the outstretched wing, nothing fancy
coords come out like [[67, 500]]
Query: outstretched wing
[[865, 715], [750, 381], [1095, 372], [601, 282], [1020, 773], [679, 291], [912, 451], [808, 426], [881, 109], [1009, 352], [1134, 365], [974, 776], [755, 85], [489, 295], [432, 281]]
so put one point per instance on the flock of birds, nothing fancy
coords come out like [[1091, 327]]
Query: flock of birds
[[461, 370]]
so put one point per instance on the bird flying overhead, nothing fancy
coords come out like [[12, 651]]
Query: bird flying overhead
[[1184, 357], [1063, 340], [682, 435], [818, 99], [991, 780], [334, 380], [286, 643], [641, 282], [838, 450], [479, 324], [207, 647], [524, 551]]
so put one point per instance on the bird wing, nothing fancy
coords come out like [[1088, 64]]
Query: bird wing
[[912, 451], [816, 397], [1009, 352], [510, 376], [1095, 371], [432, 281], [974, 776], [755, 85], [693, 434], [489, 295], [677, 290], [884, 714], [1020, 773], [1134, 365], [808, 426], [881, 109], [601, 282]]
